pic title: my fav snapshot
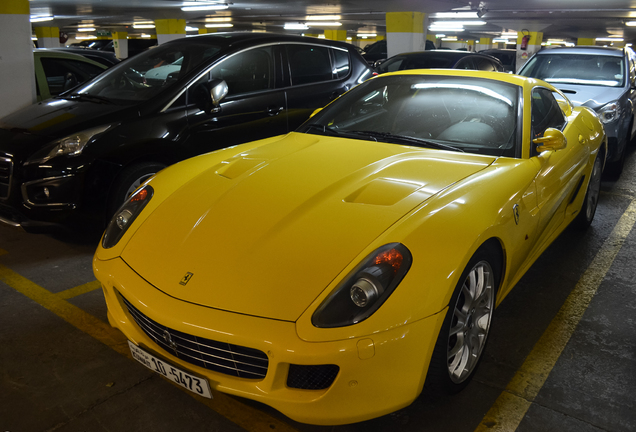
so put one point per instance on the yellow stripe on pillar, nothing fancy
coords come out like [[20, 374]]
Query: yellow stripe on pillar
[[170, 26], [405, 22], [586, 41], [337, 35], [485, 41], [47, 32], [14, 7]]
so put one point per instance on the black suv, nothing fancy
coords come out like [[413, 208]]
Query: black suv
[[75, 158]]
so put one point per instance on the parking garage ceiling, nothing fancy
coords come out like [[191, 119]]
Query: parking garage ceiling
[[555, 18]]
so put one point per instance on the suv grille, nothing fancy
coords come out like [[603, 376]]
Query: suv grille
[[220, 357], [6, 171]]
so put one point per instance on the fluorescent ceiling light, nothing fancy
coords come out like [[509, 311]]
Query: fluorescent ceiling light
[[145, 35], [456, 15], [500, 40], [441, 35], [143, 26], [40, 18], [325, 24], [295, 26], [323, 18], [196, 6], [86, 29], [85, 37], [218, 25], [458, 23], [610, 39], [364, 35], [221, 19], [322, 36], [449, 39], [190, 28], [446, 29], [630, 23]]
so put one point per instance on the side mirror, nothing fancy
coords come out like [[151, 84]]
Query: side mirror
[[552, 139], [315, 112], [218, 90]]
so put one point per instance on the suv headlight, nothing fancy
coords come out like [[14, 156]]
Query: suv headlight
[[71, 145], [126, 215], [365, 289], [609, 112]]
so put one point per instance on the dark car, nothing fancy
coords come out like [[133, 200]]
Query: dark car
[[378, 50], [440, 59], [135, 46], [507, 57], [600, 78], [106, 58], [76, 157]]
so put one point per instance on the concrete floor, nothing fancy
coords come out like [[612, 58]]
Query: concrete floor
[[64, 369]]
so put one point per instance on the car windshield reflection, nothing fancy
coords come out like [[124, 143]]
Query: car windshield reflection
[[579, 69], [146, 75], [453, 113]]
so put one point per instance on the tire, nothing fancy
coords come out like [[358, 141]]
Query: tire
[[590, 202], [464, 333], [128, 181]]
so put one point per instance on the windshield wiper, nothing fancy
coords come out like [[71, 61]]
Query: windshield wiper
[[321, 128], [401, 139], [87, 97]]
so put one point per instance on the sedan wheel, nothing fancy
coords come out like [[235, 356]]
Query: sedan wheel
[[586, 215], [470, 322]]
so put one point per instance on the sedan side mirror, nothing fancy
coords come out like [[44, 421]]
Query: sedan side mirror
[[552, 139], [218, 90]]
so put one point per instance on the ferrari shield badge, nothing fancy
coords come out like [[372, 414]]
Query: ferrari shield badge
[[515, 211], [186, 279]]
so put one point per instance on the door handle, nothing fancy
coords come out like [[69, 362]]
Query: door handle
[[273, 110]]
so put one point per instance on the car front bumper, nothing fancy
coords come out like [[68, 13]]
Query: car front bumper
[[378, 373]]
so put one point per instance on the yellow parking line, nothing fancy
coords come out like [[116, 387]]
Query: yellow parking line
[[79, 290], [513, 403], [243, 415]]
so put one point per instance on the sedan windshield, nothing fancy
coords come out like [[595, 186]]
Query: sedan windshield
[[147, 74], [458, 113], [581, 69]]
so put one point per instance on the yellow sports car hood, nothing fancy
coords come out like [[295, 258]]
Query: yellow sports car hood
[[265, 232]]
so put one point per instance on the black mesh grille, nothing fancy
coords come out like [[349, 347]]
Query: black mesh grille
[[6, 168], [220, 357], [314, 377]]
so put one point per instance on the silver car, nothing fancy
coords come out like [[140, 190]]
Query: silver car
[[600, 78]]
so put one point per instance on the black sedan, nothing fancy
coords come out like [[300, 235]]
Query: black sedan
[[440, 59], [75, 158]]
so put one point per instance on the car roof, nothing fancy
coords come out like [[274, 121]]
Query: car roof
[[444, 52], [88, 52], [247, 38], [597, 50], [518, 80]]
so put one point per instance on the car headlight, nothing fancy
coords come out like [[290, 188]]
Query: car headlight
[[365, 289], [126, 215], [71, 145], [609, 112]]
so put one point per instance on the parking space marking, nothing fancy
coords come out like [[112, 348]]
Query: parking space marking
[[511, 406], [79, 290], [243, 415]]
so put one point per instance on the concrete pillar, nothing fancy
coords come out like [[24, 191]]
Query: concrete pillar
[[120, 43], [337, 35], [16, 57], [484, 44], [586, 41], [206, 30], [405, 32], [170, 29], [534, 45], [48, 37]]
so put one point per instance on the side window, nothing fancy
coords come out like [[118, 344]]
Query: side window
[[546, 112], [64, 74], [341, 63], [465, 63], [248, 71], [392, 65], [309, 64]]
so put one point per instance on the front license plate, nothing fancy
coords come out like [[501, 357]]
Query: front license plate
[[188, 381]]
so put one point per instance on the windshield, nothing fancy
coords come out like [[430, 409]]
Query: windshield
[[467, 114], [425, 61], [580, 69], [149, 73]]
